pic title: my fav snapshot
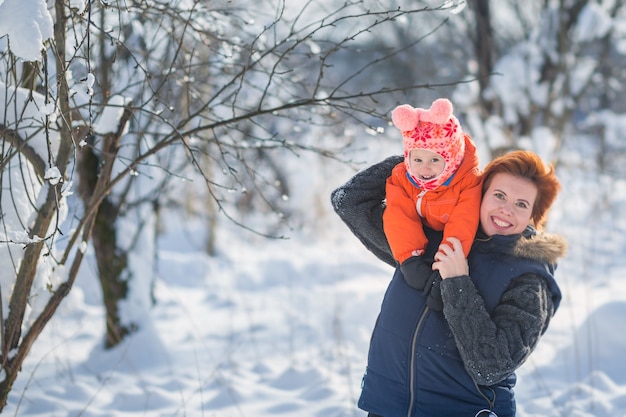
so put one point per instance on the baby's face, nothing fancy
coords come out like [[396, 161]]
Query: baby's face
[[426, 165]]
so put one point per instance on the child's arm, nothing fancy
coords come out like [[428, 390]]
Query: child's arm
[[465, 215], [402, 224]]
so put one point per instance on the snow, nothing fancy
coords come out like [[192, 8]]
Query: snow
[[110, 118], [251, 332], [594, 22], [28, 24], [281, 326]]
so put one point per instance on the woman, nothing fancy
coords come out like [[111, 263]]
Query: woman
[[457, 354]]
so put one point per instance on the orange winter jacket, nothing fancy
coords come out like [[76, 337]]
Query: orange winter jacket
[[452, 207]]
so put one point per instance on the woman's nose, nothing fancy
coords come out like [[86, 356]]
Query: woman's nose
[[506, 208]]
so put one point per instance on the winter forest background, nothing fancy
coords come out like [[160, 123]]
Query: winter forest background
[[167, 244]]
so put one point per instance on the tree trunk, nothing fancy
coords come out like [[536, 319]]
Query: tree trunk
[[483, 47], [111, 260]]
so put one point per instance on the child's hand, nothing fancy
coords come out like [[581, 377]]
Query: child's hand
[[450, 260]]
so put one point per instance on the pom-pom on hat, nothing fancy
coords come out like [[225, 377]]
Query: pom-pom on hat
[[436, 130]]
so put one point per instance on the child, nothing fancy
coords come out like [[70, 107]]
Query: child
[[438, 185]]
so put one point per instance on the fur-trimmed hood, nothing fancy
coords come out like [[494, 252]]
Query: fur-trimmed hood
[[541, 246], [538, 246]]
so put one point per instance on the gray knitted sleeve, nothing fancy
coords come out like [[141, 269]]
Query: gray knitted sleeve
[[360, 204], [493, 347]]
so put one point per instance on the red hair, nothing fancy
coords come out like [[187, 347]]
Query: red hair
[[529, 165]]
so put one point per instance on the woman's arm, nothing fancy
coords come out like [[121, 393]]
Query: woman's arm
[[360, 204], [492, 347]]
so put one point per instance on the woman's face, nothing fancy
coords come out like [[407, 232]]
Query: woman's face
[[507, 205]]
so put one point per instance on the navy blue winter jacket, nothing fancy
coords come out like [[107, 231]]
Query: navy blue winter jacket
[[414, 365], [426, 363]]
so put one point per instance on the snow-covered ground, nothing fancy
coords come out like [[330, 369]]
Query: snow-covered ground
[[281, 327], [273, 327]]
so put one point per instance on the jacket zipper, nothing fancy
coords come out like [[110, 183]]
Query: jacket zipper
[[490, 400], [418, 203], [412, 361]]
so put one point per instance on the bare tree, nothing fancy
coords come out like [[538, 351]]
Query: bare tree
[[131, 99], [545, 73]]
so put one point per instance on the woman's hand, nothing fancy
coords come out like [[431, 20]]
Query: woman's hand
[[450, 260]]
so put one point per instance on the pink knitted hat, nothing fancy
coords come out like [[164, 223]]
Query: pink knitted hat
[[436, 130]]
